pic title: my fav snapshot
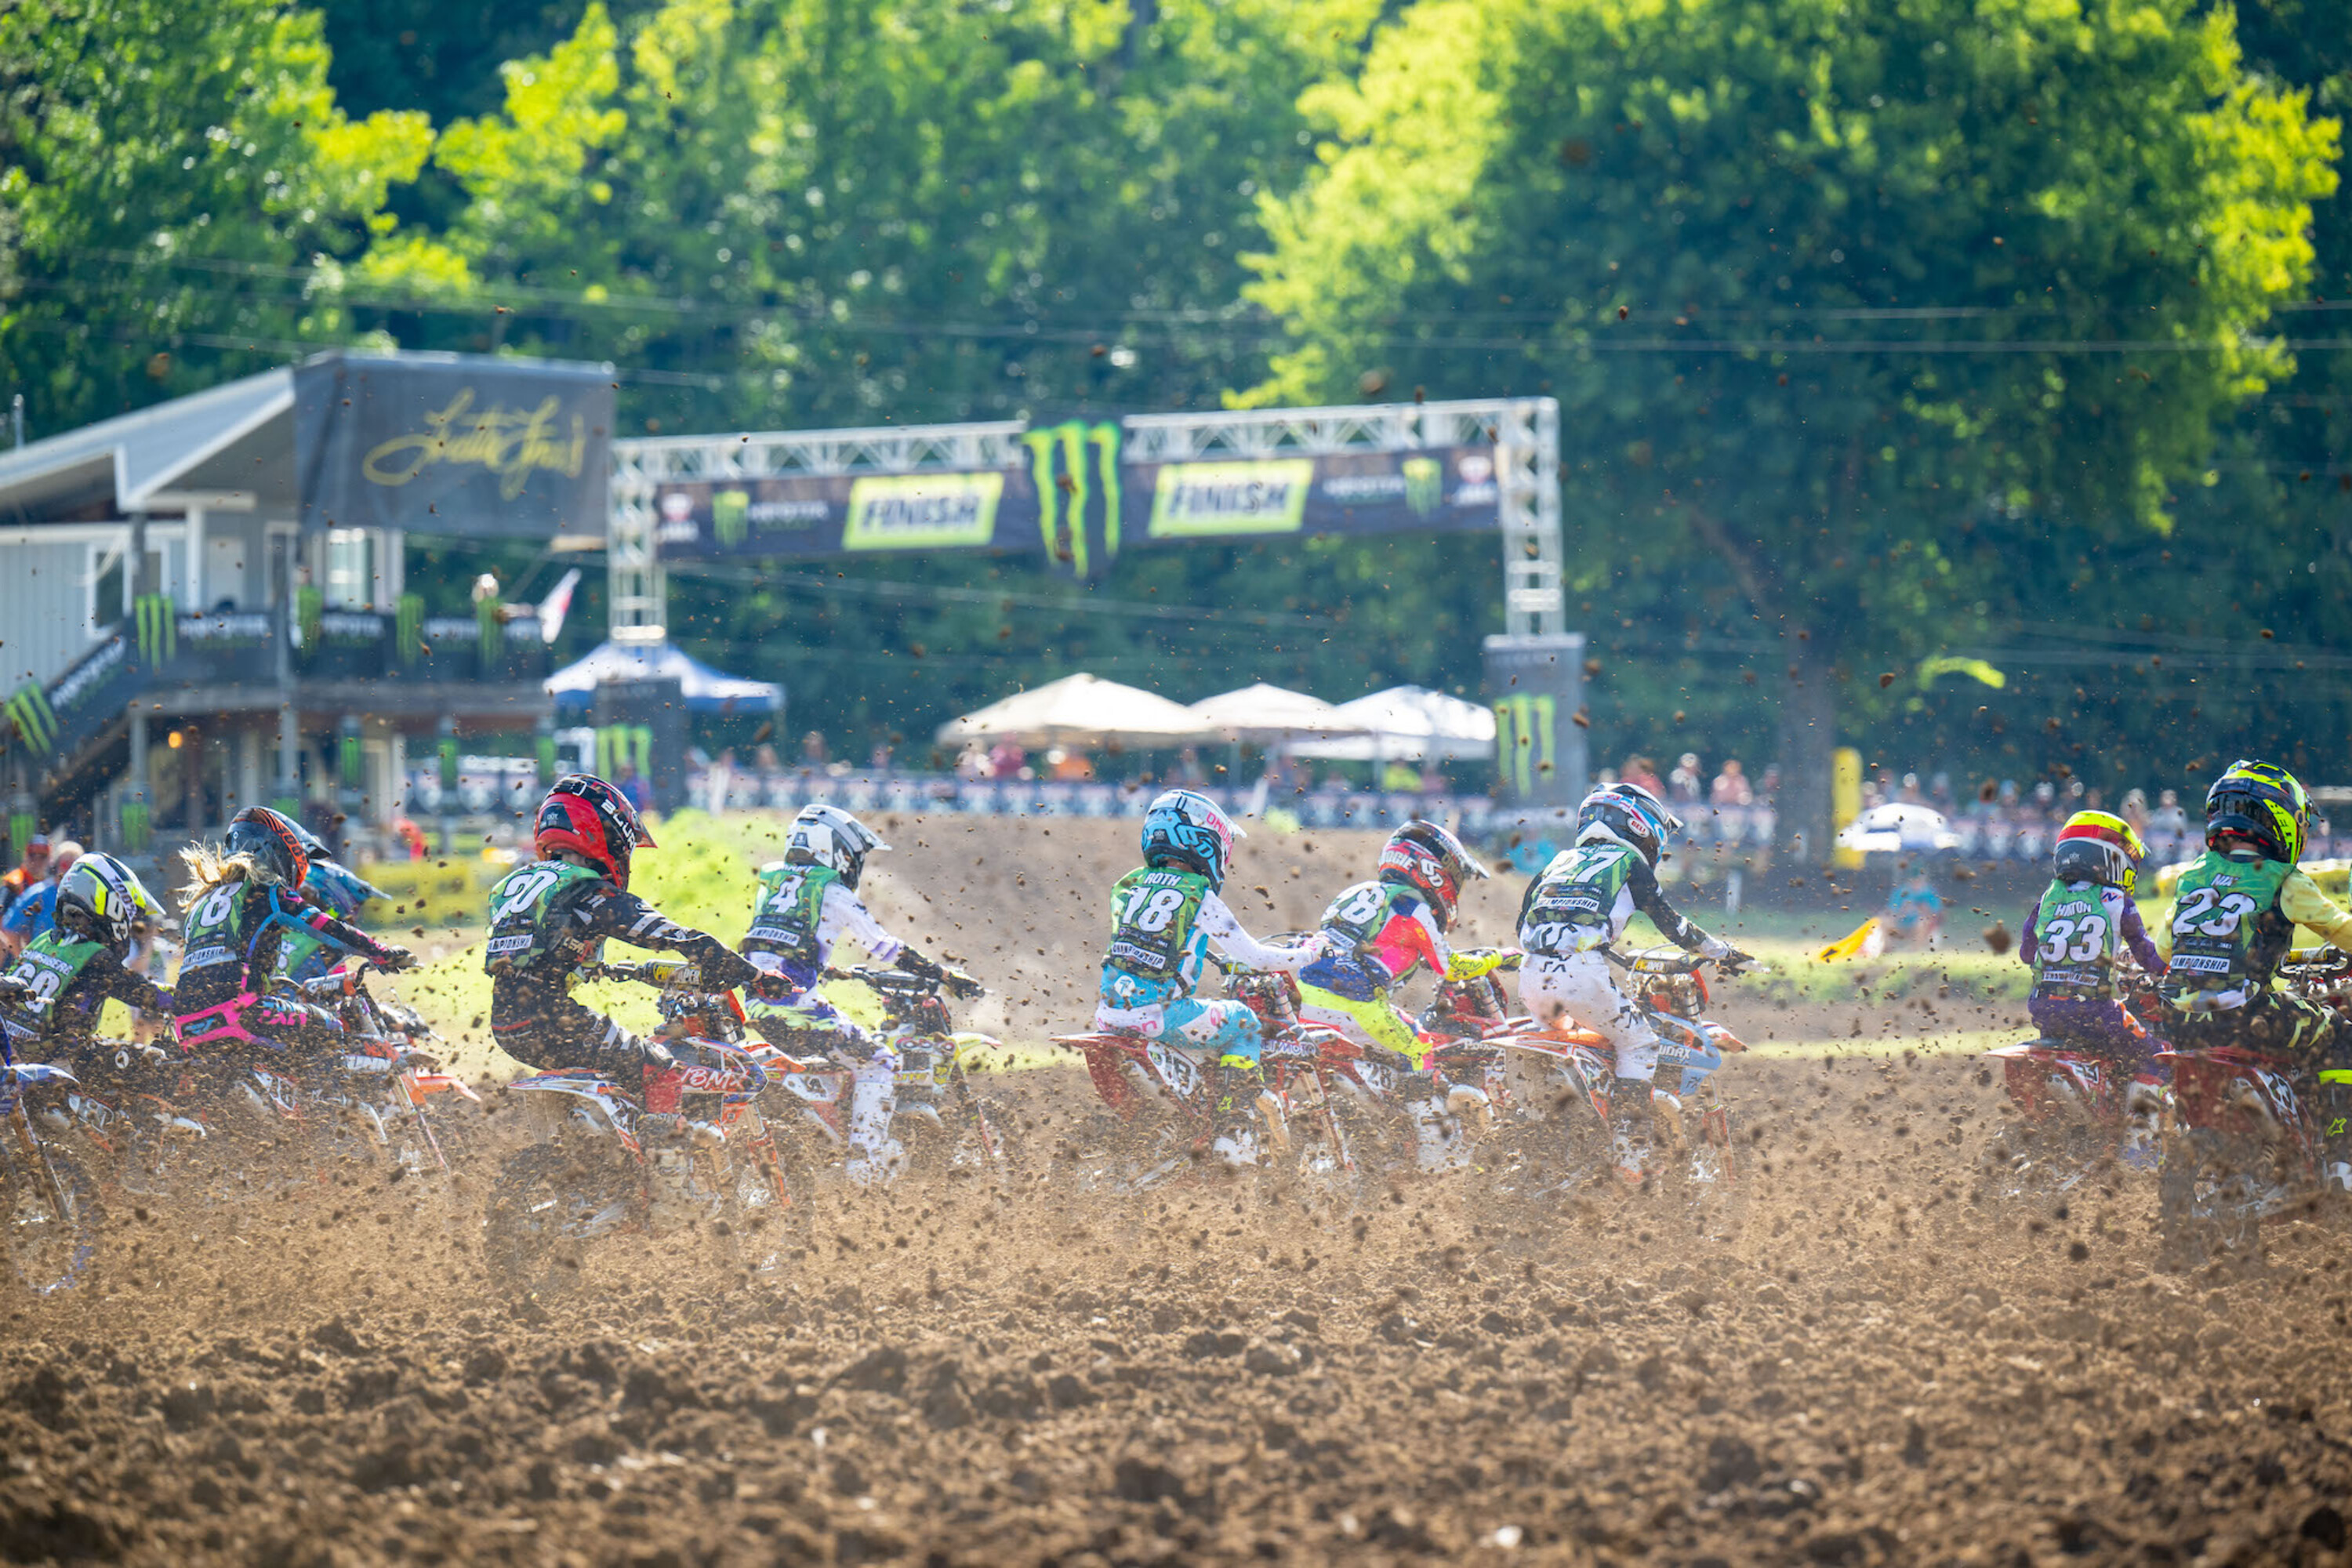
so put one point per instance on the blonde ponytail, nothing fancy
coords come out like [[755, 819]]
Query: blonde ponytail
[[209, 867]]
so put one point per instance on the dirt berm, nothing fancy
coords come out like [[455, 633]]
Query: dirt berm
[[1863, 1355]]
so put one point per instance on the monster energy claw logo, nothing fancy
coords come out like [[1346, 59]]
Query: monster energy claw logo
[[1066, 483], [1424, 485], [28, 708], [1526, 740], [158, 629], [730, 513]]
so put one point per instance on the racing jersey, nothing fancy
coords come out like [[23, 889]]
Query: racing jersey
[[2074, 934], [2234, 918], [304, 954], [548, 918], [65, 980], [1163, 922], [1586, 896], [803, 913], [234, 935]]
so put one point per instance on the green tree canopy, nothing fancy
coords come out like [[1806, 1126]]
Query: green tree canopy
[[164, 167], [1840, 300]]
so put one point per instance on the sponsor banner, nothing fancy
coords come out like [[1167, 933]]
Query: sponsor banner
[[1536, 688], [452, 444], [1072, 497]]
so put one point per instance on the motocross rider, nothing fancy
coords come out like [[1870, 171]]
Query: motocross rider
[[2234, 916], [241, 904], [552, 915], [2079, 926], [69, 971], [1375, 934], [1165, 916], [1573, 910], [807, 902], [337, 888]]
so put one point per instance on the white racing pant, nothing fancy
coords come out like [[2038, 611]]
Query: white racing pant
[[874, 1155], [1582, 986]]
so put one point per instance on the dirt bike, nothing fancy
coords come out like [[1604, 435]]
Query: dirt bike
[[1557, 1132], [355, 1088], [2072, 1110], [1162, 1110], [686, 1144], [944, 1126], [47, 1198], [2249, 1138]]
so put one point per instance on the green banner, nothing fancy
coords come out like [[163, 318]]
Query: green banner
[[29, 710], [138, 825], [408, 628], [158, 625]]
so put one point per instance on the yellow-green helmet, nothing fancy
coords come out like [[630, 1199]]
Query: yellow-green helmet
[[2261, 805]]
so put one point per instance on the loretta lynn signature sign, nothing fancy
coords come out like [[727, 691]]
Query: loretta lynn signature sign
[[452, 444]]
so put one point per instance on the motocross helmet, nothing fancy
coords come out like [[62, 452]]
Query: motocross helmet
[[102, 899], [827, 836], [1185, 828], [1427, 858], [585, 817], [2095, 846], [340, 888], [2261, 805], [273, 842], [1629, 814]]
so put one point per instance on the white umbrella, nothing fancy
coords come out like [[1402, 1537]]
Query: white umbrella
[[1409, 723], [1264, 712], [1899, 827], [1085, 710]]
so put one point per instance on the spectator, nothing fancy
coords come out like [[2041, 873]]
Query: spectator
[[28, 874], [813, 752], [1683, 783], [971, 763], [1007, 761], [1189, 772], [1768, 788], [2168, 820], [631, 783], [878, 760], [2134, 811], [410, 836], [35, 910], [1070, 764], [1910, 795], [1644, 772], [1731, 787], [765, 760], [1915, 911]]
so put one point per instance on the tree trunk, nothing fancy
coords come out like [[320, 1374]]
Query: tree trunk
[[1808, 737]]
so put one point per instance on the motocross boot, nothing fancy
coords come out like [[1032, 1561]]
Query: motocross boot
[[1234, 1115], [1438, 1143], [1631, 1129]]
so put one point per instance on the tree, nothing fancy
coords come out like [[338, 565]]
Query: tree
[[162, 163], [1842, 301]]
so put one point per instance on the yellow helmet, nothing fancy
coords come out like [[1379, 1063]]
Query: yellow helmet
[[2260, 804]]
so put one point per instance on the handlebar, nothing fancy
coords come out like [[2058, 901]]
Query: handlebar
[[906, 982]]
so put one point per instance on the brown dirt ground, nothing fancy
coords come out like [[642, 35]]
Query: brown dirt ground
[[1863, 1358]]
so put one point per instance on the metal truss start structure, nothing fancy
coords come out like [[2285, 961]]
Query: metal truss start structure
[[1523, 432]]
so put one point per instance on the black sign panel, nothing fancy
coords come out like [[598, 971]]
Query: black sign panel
[[1537, 686], [1073, 498], [452, 444]]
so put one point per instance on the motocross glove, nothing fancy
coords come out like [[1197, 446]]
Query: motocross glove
[[1722, 951], [963, 987], [726, 970], [396, 959], [915, 964]]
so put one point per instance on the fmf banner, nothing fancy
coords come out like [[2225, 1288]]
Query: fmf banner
[[458, 444], [1074, 498]]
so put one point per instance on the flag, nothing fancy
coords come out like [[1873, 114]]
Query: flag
[[1862, 940], [556, 606]]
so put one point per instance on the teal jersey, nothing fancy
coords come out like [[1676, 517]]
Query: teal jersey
[[528, 909], [1156, 946], [2227, 928]]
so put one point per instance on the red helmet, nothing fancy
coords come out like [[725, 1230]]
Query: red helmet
[[592, 819], [1426, 858]]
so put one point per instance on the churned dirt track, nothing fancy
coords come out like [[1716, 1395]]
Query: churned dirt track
[[1863, 1358]]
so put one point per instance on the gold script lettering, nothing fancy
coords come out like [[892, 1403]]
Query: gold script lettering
[[508, 442]]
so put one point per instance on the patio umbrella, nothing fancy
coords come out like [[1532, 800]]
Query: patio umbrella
[[1899, 827], [1083, 710], [1411, 723], [1264, 713]]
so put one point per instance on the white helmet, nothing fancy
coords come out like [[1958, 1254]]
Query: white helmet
[[102, 899], [829, 836]]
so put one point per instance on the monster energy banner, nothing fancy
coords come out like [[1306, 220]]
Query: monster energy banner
[[1537, 686], [1075, 498], [452, 444]]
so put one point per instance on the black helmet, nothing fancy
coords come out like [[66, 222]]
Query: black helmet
[[273, 842]]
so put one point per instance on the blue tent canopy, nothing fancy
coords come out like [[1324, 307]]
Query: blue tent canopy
[[706, 690]]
